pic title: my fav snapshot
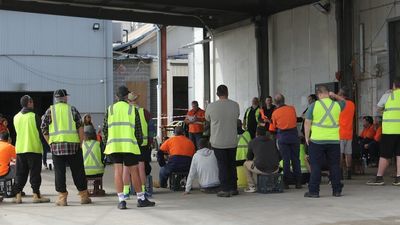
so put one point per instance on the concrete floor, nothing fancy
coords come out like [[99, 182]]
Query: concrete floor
[[360, 204]]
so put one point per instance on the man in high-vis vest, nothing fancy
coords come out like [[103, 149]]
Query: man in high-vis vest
[[123, 136], [145, 150], [29, 151], [322, 121], [251, 117], [63, 129], [389, 104]]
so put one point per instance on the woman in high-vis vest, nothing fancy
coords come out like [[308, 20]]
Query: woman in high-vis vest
[[29, 151], [322, 121], [389, 104]]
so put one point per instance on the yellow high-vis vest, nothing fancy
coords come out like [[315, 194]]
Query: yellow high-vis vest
[[92, 158], [391, 114], [145, 127], [121, 129], [243, 146], [62, 127], [28, 139], [325, 123], [257, 115]]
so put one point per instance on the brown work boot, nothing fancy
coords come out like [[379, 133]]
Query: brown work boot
[[85, 197], [62, 199], [18, 198], [38, 198]]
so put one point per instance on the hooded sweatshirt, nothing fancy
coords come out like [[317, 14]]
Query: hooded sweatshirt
[[204, 166]]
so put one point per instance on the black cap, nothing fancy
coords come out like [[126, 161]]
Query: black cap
[[60, 93], [122, 91]]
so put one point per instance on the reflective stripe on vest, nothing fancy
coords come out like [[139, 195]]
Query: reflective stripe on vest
[[391, 114], [28, 139], [145, 127], [62, 127], [242, 149], [325, 124], [121, 129], [302, 158], [92, 158], [257, 115]]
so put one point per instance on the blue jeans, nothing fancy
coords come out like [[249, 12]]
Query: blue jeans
[[291, 156], [317, 154], [175, 164], [195, 138]]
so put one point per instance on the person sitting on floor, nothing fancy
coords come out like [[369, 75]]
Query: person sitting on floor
[[204, 166], [262, 158], [180, 150]]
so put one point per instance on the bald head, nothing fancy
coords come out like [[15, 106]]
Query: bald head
[[279, 99]]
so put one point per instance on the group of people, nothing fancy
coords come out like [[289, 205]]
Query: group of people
[[73, 142], [267, 136]]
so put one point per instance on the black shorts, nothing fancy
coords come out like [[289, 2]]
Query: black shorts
[[145, 154], [390, 145], [128, 159]]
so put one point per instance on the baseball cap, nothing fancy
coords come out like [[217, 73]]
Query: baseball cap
[[60, 93], [122, 91]]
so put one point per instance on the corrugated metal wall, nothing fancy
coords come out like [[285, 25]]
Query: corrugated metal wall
[[44, 52]]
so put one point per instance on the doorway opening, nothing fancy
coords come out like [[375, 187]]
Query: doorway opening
[[10, 106]]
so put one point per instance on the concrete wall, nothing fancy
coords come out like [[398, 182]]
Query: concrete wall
[[371, 83], [196, 70], [43, 52], [236, 64], [303, 52], [176, 38]]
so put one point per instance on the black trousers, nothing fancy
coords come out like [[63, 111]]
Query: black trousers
[[75, 163], [226, 159], [28, 164]]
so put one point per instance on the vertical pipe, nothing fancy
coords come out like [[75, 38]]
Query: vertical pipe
[[206, 64], [163, 43], [159, 86], [362, 65]]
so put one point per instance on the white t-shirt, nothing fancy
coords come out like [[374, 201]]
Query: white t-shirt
[[384, 98]]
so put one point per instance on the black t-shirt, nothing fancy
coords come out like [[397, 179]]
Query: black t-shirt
[[263, 151]]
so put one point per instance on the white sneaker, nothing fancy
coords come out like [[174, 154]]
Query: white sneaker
[[250, 190]]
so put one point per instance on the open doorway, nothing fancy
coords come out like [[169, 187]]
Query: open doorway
[[10, 105], [180, 96]]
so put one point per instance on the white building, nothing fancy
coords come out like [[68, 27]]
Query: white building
[[303, 52]]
